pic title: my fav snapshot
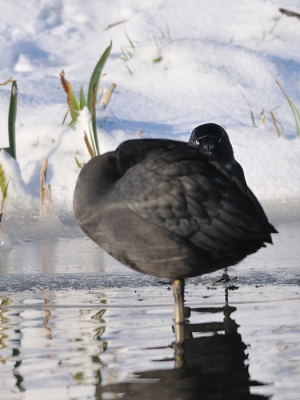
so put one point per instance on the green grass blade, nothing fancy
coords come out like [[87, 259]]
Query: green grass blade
[[296, 116], [12, 116], [125, 56], [94, 127], [65, 117], [129, 40], [94, 82], [162, 33], [158, 59], [92, 93], [4, 198], [128, 69], [95, 143], [79, 165], [2, 180], [82, 99], [156, 42], [168, 32]]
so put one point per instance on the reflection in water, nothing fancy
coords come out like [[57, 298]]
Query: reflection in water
[[81, 348], [17, 375], [47, 254], [206, 366], [15, 348], [48, 298]]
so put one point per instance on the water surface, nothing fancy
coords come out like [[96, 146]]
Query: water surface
[[75, 324]]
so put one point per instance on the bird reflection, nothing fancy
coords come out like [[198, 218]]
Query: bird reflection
[[48, 298], [210, 365]]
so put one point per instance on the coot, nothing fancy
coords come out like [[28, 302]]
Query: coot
[[164, 208]]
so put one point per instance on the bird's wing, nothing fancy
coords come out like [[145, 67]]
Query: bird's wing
[[191, 197]]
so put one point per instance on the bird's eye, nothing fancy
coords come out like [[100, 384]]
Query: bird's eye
[[197, 142], [219, 140]]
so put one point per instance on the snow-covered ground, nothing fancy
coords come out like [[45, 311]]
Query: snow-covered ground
[[192, 63]]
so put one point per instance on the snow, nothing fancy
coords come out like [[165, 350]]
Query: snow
[[212, 54]]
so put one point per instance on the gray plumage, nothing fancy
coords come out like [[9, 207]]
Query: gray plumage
[[164, 208]]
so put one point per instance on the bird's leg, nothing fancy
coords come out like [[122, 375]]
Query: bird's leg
[[178, 292], [178, 346], [224, 277]]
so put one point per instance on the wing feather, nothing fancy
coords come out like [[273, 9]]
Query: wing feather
[[193, 198]]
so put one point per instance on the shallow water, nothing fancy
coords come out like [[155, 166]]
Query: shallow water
[[75, 324]]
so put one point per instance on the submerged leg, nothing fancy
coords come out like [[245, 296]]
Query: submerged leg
[[178, 292]]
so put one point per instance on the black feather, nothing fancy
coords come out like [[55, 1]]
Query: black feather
[[164, 208]]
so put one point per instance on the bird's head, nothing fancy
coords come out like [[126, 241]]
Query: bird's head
[[211, 139]]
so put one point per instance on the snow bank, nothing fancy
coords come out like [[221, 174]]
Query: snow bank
[[190, 64]]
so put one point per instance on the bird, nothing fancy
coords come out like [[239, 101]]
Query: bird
[[164, 208]]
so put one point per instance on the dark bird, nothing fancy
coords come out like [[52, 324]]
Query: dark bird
[[164, 208]]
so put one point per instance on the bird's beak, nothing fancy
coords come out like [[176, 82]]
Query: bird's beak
[[208, 144]]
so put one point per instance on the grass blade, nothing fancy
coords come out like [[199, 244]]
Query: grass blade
[[2, 180], [162, 33], [88, 145], [251, 112], [92, 93], [293, 108], [93, 142], [9, 80], [94, 82], [289, 13], [158, 59], [82, 99], [129, 40], [128, 69], [12, 113], [4, 187], [115, 24], [296, 116], [2, 205], [79, 165], [168, 32], [12, 116], [73, 104], [4, 197], [65, 117], [125, 56], [274, 124]]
